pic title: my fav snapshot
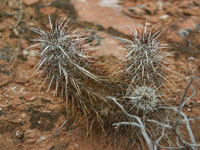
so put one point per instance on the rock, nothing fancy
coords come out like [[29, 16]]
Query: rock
[[111, 3], [159, 5], [42, 138], [191, 58], [76, 145], [23, 115], [47, 10], [13, 4], [74, 139], [13, 89], [151, 8], [136, 10], [182, 29], [2, 27], [164, 17], [53, 107], [31, 133], [108, 46], [187, 26], [184, 33], [30, 2], [105, 13], [25, 52], [29, 97], [19, 134], [30, 141]]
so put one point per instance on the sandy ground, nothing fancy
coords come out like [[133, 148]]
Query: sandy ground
[[31, 118]]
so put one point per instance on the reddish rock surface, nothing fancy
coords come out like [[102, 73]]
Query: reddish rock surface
[[105, 13], [30, 118], [30, 2]]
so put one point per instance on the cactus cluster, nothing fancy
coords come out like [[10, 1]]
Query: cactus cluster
[[71, 70], [145, 70]]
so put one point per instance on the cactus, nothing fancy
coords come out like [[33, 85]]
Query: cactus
[[72, 71], [64, 62], [144, 98], [145, 61]]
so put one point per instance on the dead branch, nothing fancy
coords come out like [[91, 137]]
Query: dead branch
[[172, 124], [139, 124]]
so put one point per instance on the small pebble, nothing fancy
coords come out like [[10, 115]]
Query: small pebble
[[191, 58], [30, 133], [74, 139], [164, 17], [76, 145], [2, 27], [30, 141], [160, 4], [13, 89], [25, 52], [184, 33], [42, 138], [17, 132], [23, 115], [189, 109]]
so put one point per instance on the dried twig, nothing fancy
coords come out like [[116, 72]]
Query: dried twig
[[171, 124], [20, 16], [139, 124]]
